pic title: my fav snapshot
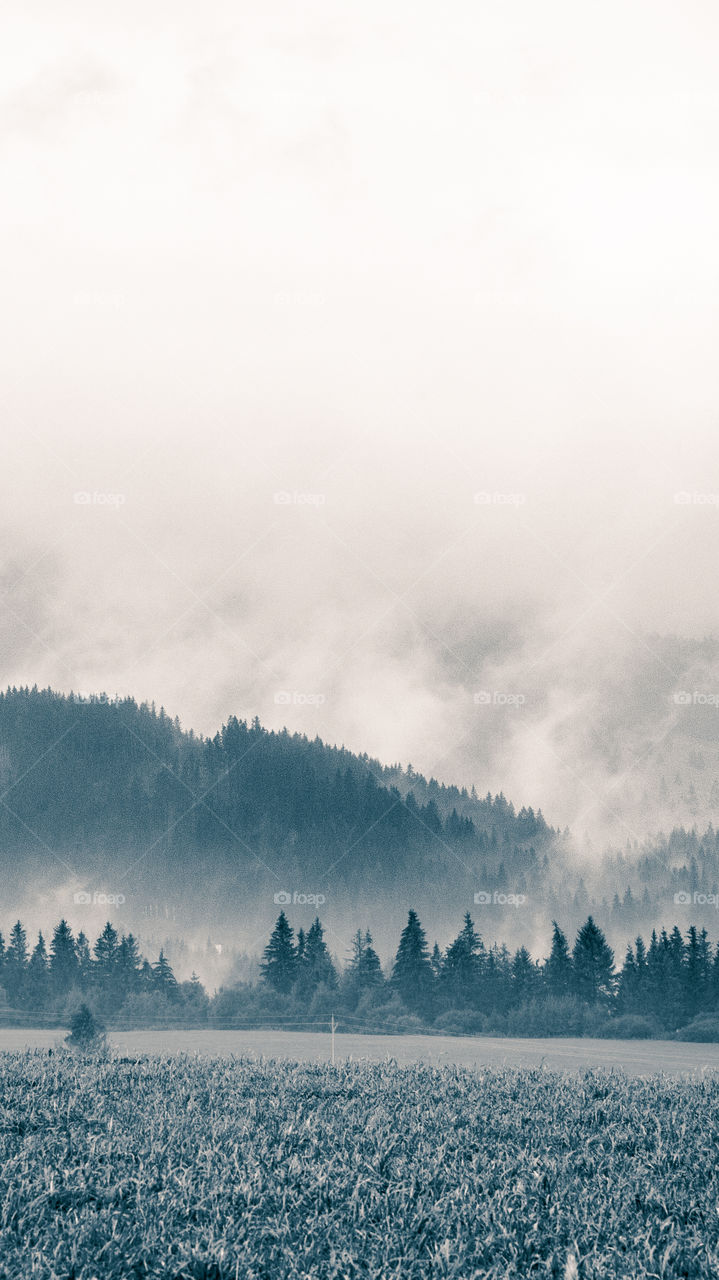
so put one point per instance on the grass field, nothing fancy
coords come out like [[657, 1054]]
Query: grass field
[[216, 1169], [635, 1057]]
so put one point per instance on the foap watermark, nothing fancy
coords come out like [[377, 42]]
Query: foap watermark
[[298, 899], [686, 899], [686, 499], [498, 698], [495, 898], [295, 698], [695, 699], [487, 498], [93, 498], [298, 498], [98, 899]]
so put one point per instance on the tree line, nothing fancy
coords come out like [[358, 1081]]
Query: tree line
[[111, 975], [669, 985], [661, 987]]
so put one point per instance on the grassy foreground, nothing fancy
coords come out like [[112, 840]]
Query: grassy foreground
[[215, 1170]]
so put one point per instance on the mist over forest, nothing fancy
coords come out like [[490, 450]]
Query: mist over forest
[[110, 810]]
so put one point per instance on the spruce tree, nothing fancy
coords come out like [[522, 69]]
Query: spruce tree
[[462, 967], [524, 976], [364, 971], [593, 962], [129, 963], [558, 969], [63, 959], [16, 962], [628, 985], [84, 961], [164, 979], [315, 964], [279, 964], [37, 983], [412, 976]]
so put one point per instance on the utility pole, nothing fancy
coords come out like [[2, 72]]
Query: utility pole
[[333, 1025]]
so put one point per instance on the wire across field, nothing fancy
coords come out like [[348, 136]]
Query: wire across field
[[216, 1169]]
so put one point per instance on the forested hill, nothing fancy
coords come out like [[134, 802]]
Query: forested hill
[[103, 783]]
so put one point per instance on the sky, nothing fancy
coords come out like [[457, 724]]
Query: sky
[[359, 373]]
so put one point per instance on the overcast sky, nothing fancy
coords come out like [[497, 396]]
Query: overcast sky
[[442, 277]]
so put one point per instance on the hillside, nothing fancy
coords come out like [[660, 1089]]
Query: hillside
[[111, 797], [196, 836]]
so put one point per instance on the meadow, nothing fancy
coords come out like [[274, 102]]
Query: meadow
[[192, 1168], [633, 1057]]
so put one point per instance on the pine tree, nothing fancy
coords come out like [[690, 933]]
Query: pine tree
[[63, 959], [523, 976], [412, 973], [628, 985], [105, 951], [165, 981], [364, 971], [462, 967], [315, 964], [696, 973], [372, 975], [37, 982], [655, 978], [104, 968], [16, 962], [84, 961], [279, 965], [558, 969], [129, 963], [593, 961]]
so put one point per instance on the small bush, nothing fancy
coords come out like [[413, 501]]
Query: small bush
[[552, 1016], [704, 1029], [461, 1022], [86, 1032]]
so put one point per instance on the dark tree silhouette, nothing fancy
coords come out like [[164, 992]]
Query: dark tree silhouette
[[558, 969], [412, 977], [593, 963], [279, 965]]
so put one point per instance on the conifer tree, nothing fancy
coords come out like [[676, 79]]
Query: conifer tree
[[315, 963], [37, 983], [593, 962], [412, 976], [84, 961], [558, 969], [63, 959], [462, 967], [164, 979], [16, 962], [279, 964]]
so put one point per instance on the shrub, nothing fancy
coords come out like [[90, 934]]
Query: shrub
[[461, 1022], [704, 1029], [552, 1016], [85, 1032]]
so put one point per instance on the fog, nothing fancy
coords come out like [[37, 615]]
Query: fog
[[359, 373]]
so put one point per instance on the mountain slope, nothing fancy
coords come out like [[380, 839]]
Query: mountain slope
[[116, 797]]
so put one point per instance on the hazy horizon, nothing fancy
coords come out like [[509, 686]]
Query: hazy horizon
[[362, 358]]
